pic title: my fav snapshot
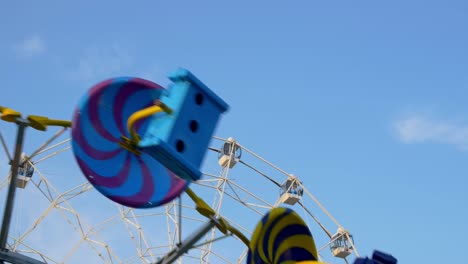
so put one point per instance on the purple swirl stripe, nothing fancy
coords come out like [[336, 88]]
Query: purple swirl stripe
[[98, 123]]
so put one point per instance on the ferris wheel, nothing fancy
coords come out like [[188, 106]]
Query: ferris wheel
[[59, 217]]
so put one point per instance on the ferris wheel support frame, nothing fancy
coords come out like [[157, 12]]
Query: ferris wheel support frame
[[306, 191], [61, 202], [59, 199], [220, 192]]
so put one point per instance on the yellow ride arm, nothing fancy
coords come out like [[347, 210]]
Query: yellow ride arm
[[204, 209], [36, 122]]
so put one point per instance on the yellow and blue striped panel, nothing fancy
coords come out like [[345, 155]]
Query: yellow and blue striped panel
[[282, 237]]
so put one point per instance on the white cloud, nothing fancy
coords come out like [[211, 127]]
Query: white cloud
[[98, 63], [419, 129], [31, 46]]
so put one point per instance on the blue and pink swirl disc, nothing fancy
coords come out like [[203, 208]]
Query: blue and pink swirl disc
[[99, 121]]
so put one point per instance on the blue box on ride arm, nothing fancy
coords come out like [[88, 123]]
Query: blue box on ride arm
[[378, 257], [179, 140]]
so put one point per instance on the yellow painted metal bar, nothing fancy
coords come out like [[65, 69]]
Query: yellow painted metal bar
[[239, 234], [41, 122], [204, 209], [9, 114], [144, 113], [201, 206], [36, 122]]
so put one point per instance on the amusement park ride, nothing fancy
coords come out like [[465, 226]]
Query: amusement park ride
[[142, 147]]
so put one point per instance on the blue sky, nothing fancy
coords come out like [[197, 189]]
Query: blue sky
[[365, 101]]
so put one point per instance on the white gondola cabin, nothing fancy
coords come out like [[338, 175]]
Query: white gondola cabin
[[291, 191], [230, 154], [341, 247], [25, 172]]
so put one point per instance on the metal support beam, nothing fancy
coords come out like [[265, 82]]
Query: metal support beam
[[187, 243], [22, 124], [12, 257]]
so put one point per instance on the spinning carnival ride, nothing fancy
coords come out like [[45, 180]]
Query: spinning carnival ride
[[130, 138]]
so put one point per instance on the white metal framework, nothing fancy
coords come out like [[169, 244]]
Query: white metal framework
[[60, 218]]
